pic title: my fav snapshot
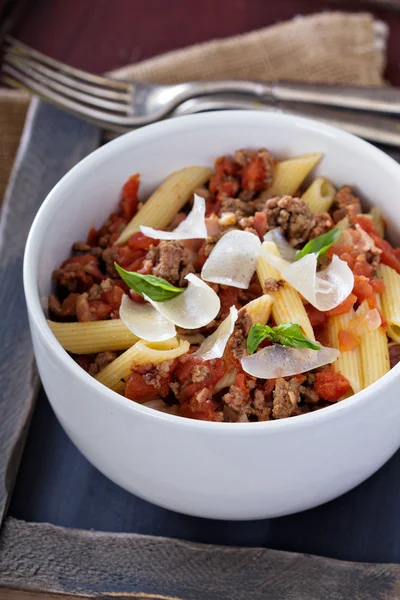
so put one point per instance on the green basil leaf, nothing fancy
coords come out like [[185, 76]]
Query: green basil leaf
[[290, 334], [257, 334], [156, 288], [287, 334], [320, 244]]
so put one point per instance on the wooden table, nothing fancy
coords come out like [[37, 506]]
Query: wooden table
[[98, 35]]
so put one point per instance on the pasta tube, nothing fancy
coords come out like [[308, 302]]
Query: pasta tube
[[287, 306], [348, 363], [319, 196], [167, 200], [391, 300], [374, 351], [116, 373], [94, 336], [290, 174]]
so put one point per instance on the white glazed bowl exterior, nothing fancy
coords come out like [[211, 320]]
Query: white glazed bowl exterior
[[216, 470]]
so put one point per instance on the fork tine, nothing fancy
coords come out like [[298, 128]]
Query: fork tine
[[21, 65], [67, 79], [87, 77], [101, 118]]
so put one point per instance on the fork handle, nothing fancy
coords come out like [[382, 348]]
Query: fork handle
[[375, 99]]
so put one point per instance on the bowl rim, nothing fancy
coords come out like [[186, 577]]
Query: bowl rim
[[149, 132]]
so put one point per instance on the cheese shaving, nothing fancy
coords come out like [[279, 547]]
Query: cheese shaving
[[233, 261], [192, 228]]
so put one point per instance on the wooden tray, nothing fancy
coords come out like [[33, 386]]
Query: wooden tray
[[68, 532]]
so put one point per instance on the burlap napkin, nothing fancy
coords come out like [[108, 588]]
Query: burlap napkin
[[327, 47]]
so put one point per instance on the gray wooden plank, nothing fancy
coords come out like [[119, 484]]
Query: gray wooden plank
[[52, 142], [46, 558]]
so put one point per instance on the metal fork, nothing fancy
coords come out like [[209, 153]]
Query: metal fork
[[121, 106]]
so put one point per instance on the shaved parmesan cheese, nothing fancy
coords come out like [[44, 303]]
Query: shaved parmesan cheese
[[196, 307], [326, 289], [145, 321], [282, 361], [214, 345], [192, 228], [285, 249], [233, 260]]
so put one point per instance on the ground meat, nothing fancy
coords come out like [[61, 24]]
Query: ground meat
[[262, 405], [200, 373], [171, 261], [101, 361], [109, 257], [292, 215], [237, 342], [286, 398], [237, 207], [271, 285], [237, 400], [322, 224], [78, 273], [309, 395], [345, 204], [65, 310]]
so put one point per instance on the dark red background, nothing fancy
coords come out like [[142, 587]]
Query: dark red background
[[98, 35]]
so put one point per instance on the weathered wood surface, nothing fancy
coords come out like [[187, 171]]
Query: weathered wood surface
[[42, 557], [60, 141]]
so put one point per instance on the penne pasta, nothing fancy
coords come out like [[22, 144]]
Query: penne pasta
[[94, 336], [348, 363], [390, 299], [290, 174], [116, 373], [168, 199], [260, 309], [377, 218], [319, 195], [287, 306], [374, 351]]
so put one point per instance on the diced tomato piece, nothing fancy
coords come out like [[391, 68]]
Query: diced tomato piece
[[93, 237], [330, 386], [206, 411], [81, 259], [388, 255], [225, 166], [362, 288], [129, 200], [114, 296], [139, 241], [367, 224], [343, 307], [253, 175], [229, 187], [99, 310], [129, 259], [260, 223], [316, 316], [377, 285], [347, 340], [362, 267], [117, 225], [240, 381], [136, 388], [269, 386]]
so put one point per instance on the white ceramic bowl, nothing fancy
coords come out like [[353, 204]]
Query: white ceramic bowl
[[218, 470]]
